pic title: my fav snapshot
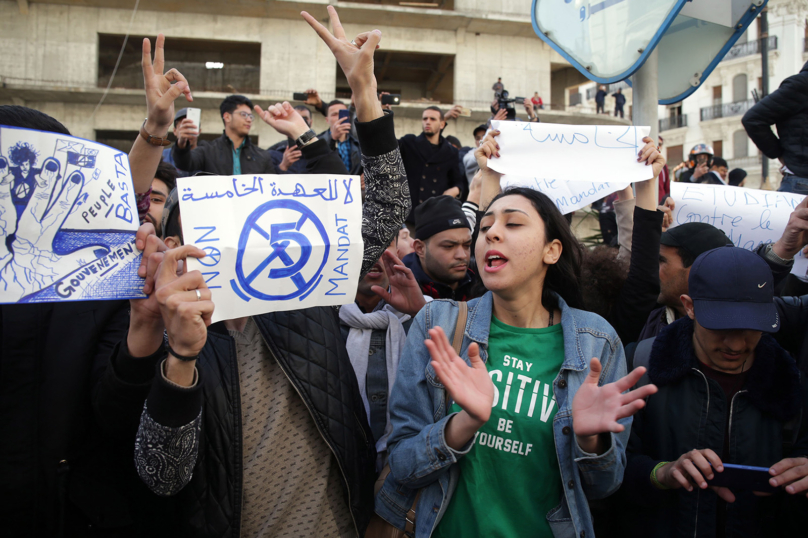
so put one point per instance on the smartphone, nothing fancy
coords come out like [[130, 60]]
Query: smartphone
[[466, 112], [344, 113], [300, 96], [195, 115], [743, 477], [391, 99]]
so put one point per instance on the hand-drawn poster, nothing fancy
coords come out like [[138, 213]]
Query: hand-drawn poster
[[583, 153], [68, 219], [274, 243]]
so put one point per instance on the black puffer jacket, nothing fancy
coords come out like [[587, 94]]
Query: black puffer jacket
[[308, 346], [688, 412], [788, 109], [216, 157]]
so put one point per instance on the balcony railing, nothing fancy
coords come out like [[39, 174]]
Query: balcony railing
[[673, 122], [727, 110], [610, 88], [749, 48], [744, 162]]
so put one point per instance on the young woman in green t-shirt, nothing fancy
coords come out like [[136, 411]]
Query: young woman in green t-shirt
[[538, 416]]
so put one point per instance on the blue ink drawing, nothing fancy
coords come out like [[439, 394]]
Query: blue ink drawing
[[284, 270]]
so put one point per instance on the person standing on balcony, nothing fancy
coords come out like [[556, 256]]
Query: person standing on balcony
[[498, 88], [600, 100], [619, 102], [788, 109]]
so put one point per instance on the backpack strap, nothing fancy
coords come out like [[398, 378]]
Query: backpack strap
[[642, 356]]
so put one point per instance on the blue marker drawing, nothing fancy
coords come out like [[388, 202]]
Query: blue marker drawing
[[46, 256], [261, 284]]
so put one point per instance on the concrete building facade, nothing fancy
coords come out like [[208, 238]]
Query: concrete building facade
[[58, 56]]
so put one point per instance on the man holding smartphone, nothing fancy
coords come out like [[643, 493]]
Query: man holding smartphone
[[728, 394], [338, 136]]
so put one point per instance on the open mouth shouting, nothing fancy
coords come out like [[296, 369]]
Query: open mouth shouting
[[494, 261]]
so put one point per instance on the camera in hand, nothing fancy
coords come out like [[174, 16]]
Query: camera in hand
[[508, 104], [391, 99], [300, 96]]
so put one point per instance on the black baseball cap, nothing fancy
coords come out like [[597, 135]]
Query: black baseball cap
[[695, 237], [438, 214], [733, 288], [736, 176]]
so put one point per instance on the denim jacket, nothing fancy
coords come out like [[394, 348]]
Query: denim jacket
[[420, 457]]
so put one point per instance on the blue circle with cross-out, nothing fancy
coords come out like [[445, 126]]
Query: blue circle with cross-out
[[280, 236]]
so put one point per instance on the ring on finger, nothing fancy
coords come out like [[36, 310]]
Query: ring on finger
[[198, 295], [354, 43]]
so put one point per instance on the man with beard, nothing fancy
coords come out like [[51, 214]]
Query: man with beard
[[442, 246], [165, 179], [430, 162]]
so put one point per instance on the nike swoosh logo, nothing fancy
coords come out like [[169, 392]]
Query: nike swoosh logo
[[761, 285]]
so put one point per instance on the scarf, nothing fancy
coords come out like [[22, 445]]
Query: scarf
[[358, 345]]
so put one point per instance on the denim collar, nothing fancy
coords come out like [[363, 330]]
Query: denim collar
[[479, 325]]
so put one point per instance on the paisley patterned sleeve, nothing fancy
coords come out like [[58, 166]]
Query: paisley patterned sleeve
[[165, 457], [387, 194]]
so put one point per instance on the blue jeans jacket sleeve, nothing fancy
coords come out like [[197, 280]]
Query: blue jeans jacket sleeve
[[417, 447], [601, 475]]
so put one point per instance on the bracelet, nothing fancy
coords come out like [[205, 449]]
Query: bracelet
[[654, 480], [153, 140], [183, 358]]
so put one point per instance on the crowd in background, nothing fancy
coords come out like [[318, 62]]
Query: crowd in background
[[492, 377]]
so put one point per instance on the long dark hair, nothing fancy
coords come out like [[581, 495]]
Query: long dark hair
[[564, 276]]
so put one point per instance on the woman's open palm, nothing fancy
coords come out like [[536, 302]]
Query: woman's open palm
[[469, 386]]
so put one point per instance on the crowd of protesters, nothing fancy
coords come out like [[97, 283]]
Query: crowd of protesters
[[492, 377]]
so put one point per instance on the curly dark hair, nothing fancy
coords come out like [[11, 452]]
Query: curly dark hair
[[602, 279], [23, 152]]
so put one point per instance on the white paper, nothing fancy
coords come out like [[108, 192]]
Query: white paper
[[749, 217], [70, 205], [274, 243], [586, 153], [568, 196]]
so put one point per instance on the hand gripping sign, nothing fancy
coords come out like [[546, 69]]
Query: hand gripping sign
[[68, 219], [274, 243]]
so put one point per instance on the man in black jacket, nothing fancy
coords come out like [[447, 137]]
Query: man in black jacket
[[232, 153], [258, 423], [788, 109], [619, 102], [728, 394], [65, 435], [431, 162], [339, 137]]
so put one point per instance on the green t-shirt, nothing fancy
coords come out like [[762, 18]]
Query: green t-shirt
[[510, 479]]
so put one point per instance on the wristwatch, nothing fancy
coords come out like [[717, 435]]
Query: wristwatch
[[305, 139], [769, 254], [153, 140]]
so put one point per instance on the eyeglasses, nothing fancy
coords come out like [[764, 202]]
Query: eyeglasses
[[246, 115]]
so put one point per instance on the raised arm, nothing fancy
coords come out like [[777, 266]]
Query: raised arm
[[161, 91], [387, 196]]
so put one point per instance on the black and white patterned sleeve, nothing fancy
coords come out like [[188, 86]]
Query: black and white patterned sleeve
[[387, 194], [164, 456]]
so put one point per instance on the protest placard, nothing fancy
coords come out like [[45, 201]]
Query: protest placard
[[274, 243], [749, 217], [68, 219], [586, 153], [568, 196]]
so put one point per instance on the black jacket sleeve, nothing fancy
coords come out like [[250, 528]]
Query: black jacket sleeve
[[123, 389], [789, 99], [189, 159], [640, 292], [320, 159]]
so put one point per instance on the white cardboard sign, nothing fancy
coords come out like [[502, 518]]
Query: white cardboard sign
[[749, 217], [274, 243], [68, 219], [582, 153]]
